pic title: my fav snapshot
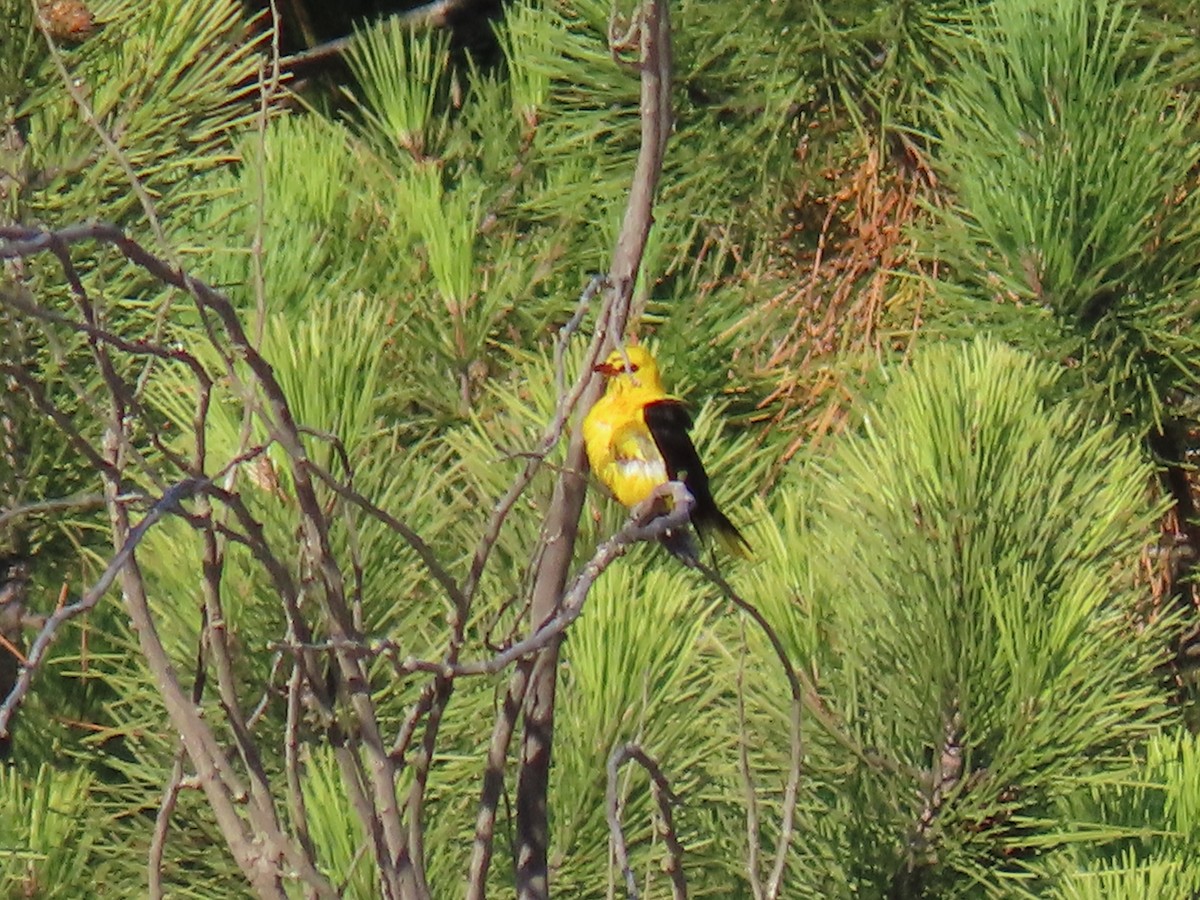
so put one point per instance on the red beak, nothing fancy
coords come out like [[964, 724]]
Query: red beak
[[605, 369]]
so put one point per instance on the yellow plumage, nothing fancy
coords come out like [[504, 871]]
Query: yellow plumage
[[619, 445]]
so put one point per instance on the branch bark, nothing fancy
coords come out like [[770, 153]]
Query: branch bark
[[562, 523], [665, 799]]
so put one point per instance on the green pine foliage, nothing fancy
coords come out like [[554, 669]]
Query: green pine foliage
[[1151, 818], [955, 576], [1070, 150], [45, 839], [978, 634]]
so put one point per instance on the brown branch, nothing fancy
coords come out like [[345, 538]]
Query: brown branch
[[162, 824], [562, 523], [222, 658], [433, 14], [647, 522], [944, 777], [753, 842], [568, 401], [168, 503], [61, 504], [397, 868], [22, 377], [801, 691], [423, 550], [292, 763], [259, 848], [493, 781], [665, 799]]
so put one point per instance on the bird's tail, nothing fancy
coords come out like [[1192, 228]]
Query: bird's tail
[[713, 521]]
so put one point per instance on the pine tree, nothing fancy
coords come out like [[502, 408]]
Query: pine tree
[[953, 580]]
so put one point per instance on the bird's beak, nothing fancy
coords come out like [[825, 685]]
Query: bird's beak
[[605, 368]]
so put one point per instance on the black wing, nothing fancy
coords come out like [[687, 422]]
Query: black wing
[[669, 424]]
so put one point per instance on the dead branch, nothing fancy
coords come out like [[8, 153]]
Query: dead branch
[[375, 767], [753, 840], [162, 824], [559, 531], [665, 800], [493, 780], [647, 522], [167, 504], [800, 692]]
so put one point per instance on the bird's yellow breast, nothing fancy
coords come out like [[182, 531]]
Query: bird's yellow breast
[[621, 450]]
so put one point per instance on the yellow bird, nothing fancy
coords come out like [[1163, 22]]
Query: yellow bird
[[636, 438]]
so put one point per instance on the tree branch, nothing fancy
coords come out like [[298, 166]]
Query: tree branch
[[168, 503], [562, 522], [665, 799]]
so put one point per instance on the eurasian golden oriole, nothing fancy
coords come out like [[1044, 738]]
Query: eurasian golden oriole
[[637, 438]]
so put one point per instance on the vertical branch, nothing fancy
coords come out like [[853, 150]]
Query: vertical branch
[[753, 841], [562, 522], [162, 822], [256, 840], [493, 782], [260, 849], [803, 693]]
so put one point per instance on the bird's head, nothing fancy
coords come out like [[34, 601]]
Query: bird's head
[[632, 367]]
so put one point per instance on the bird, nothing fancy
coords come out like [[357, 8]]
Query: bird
[[636, 438]]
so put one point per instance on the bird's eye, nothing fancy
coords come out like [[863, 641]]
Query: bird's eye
[[632, 367]]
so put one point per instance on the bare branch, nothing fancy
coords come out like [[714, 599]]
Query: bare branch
[[395, 863], [753, 842], [168, 503], [801, 692], [162, 824], [493, 781], [568, 400], [647, 522], [428, 15], [665, 799], [423, 550], [62, 504], [558, 535]]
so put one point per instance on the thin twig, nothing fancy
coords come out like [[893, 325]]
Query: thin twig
[[493, 780], [665, 799], [568, 401], [427, 15], [168, 503], [78, 502], [753, 841], [646, 523], [162, 823], [423, 550], [799, 691]]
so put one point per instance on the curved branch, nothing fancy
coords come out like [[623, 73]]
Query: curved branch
[[665, 799], [168, 503]]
